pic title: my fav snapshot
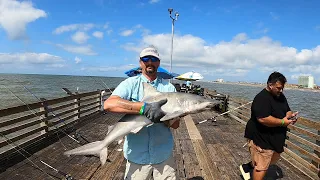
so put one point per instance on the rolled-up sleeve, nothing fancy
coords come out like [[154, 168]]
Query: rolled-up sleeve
[[123, 90]]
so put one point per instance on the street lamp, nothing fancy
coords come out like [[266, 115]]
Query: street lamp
[[173, 19]]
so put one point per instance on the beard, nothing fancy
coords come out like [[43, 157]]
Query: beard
[[150, 69]]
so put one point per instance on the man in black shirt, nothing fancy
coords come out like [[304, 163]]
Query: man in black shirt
[[266, 130]]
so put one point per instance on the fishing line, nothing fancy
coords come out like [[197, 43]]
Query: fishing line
[[15, 146], [106, 86], [213, 119], [49, 109], [34, 112]]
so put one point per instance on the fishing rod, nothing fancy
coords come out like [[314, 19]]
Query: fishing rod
[[35, 113], [49, 109], [100, 83], [213, 119], [66, 176], [15, 146]]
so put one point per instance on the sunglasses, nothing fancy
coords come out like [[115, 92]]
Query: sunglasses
[[147, 58]]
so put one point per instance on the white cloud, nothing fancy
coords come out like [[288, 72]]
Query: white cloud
[[98, 34], [106, 26], [274, 15], [127, 32], [86, 50], [138, 27], [154, 1], [80, 37], [318, 28], [110, 68], [296, 76], [241, 54], [15, 15], [77, 60], [30, 58], [73, 27], [109, 31]]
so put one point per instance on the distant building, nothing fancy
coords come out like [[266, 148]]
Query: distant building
[[306, 81], [219, 80]]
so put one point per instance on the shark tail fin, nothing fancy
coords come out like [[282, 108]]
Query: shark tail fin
[[103, 155]]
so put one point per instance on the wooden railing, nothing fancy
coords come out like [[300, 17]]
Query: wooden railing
[[27, 124], [302, 146]]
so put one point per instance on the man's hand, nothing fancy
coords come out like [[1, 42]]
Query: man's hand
[[291, 119], [294, 117], [153, 111]]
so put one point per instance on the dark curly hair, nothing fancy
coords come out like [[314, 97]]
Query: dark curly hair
[[275, 77]]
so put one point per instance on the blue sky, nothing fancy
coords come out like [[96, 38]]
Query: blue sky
[[229, 39]]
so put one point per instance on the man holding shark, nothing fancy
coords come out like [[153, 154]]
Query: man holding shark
[[148, 152], [151, 105]]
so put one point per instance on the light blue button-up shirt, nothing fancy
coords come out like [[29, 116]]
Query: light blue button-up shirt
[[152, 144]]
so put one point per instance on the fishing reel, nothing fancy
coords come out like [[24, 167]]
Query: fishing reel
[[67, 177]]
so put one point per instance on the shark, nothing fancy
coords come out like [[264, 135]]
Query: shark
[[178, 105]]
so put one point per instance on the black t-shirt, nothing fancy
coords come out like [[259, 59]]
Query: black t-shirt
[[264, 105]]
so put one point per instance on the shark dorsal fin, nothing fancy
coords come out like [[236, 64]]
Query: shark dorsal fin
[[149, 90]]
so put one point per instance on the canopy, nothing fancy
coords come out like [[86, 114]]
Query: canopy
[[190, 76], [163, 73]]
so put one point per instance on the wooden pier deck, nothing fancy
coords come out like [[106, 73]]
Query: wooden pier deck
[[206, 151]]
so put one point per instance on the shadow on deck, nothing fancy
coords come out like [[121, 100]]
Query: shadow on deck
[[206, 151]]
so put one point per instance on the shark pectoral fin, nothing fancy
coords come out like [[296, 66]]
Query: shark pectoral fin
[[103, 155], [136, 130], [172, 115]]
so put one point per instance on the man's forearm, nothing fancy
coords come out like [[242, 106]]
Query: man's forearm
[[271, 121], [118, 105]]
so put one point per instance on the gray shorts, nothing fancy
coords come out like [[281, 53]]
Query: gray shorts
[[164, 170]]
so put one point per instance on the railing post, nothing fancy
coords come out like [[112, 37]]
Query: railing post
[[225, 104], [77, 105], [318, 154], [43, 117], [101, 100]]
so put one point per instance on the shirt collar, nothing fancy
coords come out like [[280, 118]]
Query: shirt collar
[[153, 83]]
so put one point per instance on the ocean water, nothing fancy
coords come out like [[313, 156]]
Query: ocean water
[[50, 86], [47, 86]]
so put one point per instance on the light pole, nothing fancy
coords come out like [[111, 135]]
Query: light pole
[[173, 19]]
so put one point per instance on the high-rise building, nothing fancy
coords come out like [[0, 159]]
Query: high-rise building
[[306, 81]]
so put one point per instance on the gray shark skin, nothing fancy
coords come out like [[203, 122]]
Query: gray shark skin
[[178, 105]]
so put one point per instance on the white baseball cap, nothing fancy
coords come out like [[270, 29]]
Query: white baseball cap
[[150, 51]]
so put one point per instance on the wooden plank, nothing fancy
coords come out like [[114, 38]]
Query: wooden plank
[[87, 110], [309, 123], [89, 99], [19, 109], [305, 166], [240, 116], [303, 151], [22, 118], [60, 114], [303, 141], [54, 109], [72, 97], [21, 136], [89, 104], [25, 144], [304, 132], [60, 120], [192, 129], [8, 130], [209, 170], [116, 158]]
